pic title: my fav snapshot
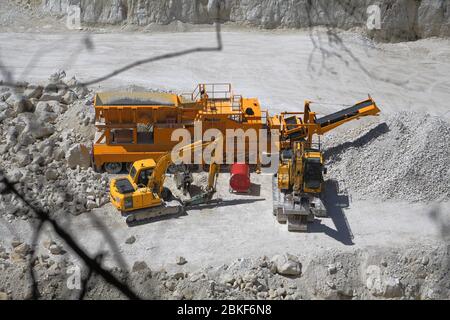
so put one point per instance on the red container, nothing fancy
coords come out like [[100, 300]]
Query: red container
[[240, 177]]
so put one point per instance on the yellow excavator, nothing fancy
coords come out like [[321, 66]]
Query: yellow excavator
[[298, 186], [141, 196]]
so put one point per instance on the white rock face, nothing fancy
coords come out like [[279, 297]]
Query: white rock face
[[433, 18], [401, 20]]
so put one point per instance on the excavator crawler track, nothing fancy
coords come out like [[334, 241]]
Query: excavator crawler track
[[296, 211], [148, 215]]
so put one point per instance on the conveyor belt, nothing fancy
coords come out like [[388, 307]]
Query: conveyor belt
[[343, 114]]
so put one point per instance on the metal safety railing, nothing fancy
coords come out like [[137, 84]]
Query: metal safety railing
[[214, 91]]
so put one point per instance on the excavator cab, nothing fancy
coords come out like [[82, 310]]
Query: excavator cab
[[141, 171], [313, 177], [131, 192]]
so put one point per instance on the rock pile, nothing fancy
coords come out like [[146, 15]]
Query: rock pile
[[333, 274], [405, 157], [375, 273], [46, 161]]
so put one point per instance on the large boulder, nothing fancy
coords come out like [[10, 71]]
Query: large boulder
[[45, 111], [50, 106], [22, 249], [139, 266], [52, 96], [14, 175], [35, 127], [5, 111], [69, 98], [23, 105], [287, 265], [55, 89], [23, 158], [25, 139], [11, 135], [78, 155], [42, 106], [381, 285], [33, 92], [47, 117], [51, 174]]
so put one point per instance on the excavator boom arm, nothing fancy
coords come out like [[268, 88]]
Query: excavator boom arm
[[157, 178], [214, 166]]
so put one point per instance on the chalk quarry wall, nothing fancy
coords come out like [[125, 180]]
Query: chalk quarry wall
[[400, 19]]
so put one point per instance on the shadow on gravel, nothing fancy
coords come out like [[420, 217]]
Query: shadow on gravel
[[225, 203], [172, 216], [334, 152], [255, 190], [184, 212], [335, 202], [442, 221]]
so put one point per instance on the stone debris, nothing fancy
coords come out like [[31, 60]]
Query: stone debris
[[20, 252], [405, 157], [78, 155], [15, 243], [56, 249], [130, 240], [40, 154], [140, 266], [287, 265], [332, 269], [246, 279], [22, 249], [180, 260]]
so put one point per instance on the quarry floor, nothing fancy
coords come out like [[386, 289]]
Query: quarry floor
[[243, 226], [282, 69]]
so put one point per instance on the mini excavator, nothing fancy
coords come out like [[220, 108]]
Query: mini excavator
[[141, 196], [299, 181]]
